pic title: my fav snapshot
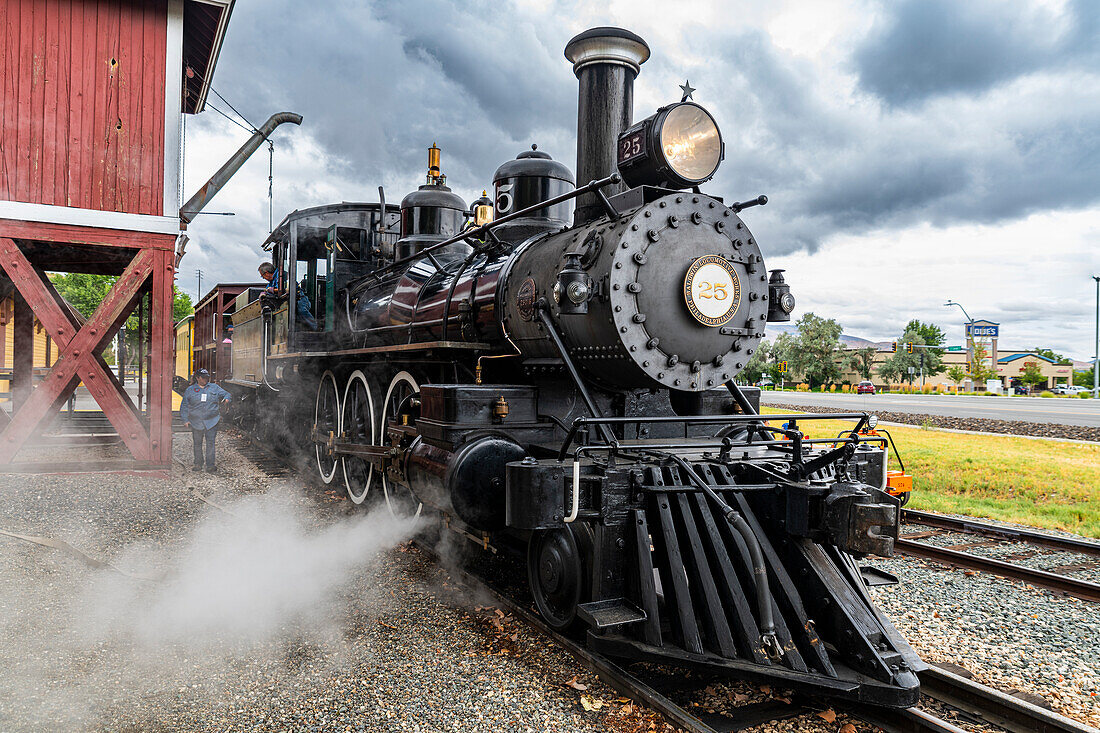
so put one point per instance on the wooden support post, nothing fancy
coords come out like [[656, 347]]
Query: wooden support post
[[161, 344], [80, 352], [22, 352]]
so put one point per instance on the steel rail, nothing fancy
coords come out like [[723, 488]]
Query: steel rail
[[1051, 581], [912, 720], [994, 706], [942, 521]]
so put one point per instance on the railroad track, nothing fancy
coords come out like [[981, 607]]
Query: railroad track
[[1055, 579], [973, 702]]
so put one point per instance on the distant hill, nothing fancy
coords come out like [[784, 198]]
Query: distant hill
[[850, 342]]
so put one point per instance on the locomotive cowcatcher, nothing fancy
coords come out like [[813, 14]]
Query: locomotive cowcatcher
[[553, 368]]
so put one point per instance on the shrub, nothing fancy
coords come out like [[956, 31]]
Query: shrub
[[1084, 395], [926, 389], [1046, 393], [832, 388], [844, 388]]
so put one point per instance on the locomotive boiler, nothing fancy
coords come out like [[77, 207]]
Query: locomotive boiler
[[554, 369]]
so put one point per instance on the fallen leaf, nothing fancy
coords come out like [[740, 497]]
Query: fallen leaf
[[591, 705], [766, 689], [847, 728], [576, 685], [780, 698], [827, 715], [500, 613], [740, 697]]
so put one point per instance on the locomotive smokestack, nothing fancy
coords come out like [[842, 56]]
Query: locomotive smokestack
[[606, 62]]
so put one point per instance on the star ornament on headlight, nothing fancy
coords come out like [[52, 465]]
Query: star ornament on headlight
[[688, 90]]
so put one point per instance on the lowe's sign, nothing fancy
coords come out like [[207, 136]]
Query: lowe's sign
[[982, 331]]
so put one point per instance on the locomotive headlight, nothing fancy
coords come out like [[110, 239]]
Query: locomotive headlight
[[679, 147]]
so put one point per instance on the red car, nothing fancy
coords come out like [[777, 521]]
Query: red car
[[865, 387]]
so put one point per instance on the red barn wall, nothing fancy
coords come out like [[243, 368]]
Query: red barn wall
[[82, 103]]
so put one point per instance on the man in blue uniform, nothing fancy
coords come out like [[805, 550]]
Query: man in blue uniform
[[200, 411]]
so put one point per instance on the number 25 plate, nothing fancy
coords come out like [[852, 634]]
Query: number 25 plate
[[712, 290]]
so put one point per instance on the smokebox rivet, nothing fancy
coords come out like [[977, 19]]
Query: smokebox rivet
[[618, 265], [649, 213], [634, 227], [726, 212], [645, 363], [660, 375], [640, 258], [622, 329], [677, 381], [653, 235], [663, 204], [694, 199], [719, 225], [711, 205], [679, 199]]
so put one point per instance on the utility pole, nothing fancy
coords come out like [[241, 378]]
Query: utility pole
[[1096, 354], [198, 295]]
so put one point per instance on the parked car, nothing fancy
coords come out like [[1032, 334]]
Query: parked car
[[1021, 389], [865, 387], [1070, 389], [766, 383]]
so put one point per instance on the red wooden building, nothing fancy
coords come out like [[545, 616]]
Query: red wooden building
[[92, 100]]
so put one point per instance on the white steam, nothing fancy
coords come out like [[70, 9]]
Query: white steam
[[80, 647]]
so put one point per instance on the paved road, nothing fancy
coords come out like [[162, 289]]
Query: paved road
[[1029, 409]]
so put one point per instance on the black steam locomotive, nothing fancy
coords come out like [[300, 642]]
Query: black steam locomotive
[[554, 368]]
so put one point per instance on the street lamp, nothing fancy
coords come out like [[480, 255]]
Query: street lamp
[[969, 331]]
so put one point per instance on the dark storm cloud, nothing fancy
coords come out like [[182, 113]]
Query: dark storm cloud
[[923, 48], [378, 83], [931, 134], [834, 164]]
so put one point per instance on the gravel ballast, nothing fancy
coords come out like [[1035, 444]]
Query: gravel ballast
[[258, 621], [282, 616], [1010, 635]]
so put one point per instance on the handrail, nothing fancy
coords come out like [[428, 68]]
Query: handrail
[[484, 228], [582, 421]]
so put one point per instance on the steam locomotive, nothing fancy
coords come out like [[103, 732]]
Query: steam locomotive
[[553, 368]]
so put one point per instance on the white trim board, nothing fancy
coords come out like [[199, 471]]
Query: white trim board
[[69, 215], [173, 100]]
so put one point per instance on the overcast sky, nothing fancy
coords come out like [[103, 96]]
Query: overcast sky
[[912, 151]]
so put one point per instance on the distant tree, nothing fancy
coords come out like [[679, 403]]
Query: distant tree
[[861, 360], [1083, 377], [956, 374], [1049, 354], [816, 350], [890, 371], [1031, 374], [782, 349], [757, 364], [85, 292], [899, 363], [980, 369], [931, 334]]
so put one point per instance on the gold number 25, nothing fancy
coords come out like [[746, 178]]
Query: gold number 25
[[713, 290]]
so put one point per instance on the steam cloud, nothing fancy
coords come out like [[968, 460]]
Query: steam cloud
[[236, 589]]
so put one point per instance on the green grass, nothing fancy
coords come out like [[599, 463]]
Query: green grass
[[1040, 483]]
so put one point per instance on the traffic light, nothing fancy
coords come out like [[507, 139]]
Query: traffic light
[[894, 347], [968, 367], [909, 347], [783, 367]]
